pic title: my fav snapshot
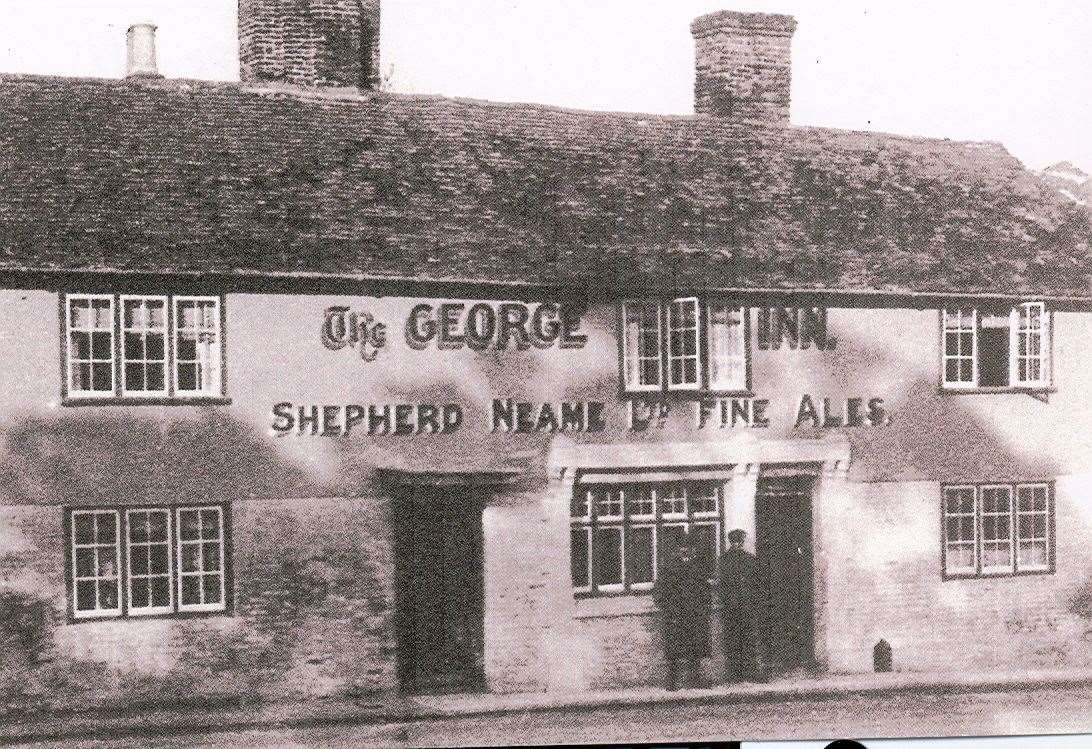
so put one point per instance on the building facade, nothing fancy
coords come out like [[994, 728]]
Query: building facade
[[315, 390]]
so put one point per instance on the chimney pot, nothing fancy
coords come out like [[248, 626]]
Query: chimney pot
[[744, 65], [140, 42]]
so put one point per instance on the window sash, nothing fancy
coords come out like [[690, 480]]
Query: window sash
[[960, 327], [131, 545], [1029, 338], [206, 360], [144, 331], [684, 344], [642, 346], [1033, 540], [727, 347], [959, 517], [97, 579], [74, 386], [993, 518], [201, 574]]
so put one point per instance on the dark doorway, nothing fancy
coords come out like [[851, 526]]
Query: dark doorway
[[783, 546], [439, 574]]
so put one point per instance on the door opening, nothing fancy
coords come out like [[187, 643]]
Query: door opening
[[783, 547], [439, 576]]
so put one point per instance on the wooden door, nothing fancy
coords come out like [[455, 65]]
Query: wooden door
[[439, 575]]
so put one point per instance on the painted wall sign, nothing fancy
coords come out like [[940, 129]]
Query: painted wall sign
[[526, 417], [341, 328], [794, 328], [485, 325]]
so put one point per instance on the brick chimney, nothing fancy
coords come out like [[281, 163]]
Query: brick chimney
[[310, 42], [744, 65]]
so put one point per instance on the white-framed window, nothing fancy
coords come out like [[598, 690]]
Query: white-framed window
[[727, 347], [96, 554], [145, 561], [197, 368], [684, 344], [620, 533], [996, 347], [89, 320], [641, 345], [201, 584], [133, 346], [997, 529], [144, 345]]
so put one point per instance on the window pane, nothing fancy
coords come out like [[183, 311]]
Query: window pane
[[210, 557], [85, 562], [212, 589], [704, 537], [210, 524], [703, 498], [84, 528], [188, 525], [670, 535], [639, 547], [138, 560], [607, 555], [579, 557], [191, 558], [85, 595], [161, 592], [672, 499], [157, 563], [108, 594], [141, 593], [643, 503], [191, 590]]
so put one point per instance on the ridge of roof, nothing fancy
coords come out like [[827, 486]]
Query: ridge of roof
[[355, 96]]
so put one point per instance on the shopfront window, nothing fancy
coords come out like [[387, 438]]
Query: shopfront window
[[621, 533]]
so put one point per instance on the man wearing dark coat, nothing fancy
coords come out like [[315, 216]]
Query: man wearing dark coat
[[683, 598], [740, 594]]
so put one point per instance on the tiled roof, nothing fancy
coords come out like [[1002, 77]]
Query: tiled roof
[[214, 178]]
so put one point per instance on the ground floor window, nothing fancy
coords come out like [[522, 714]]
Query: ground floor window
[[141, 561], [620, 533], [998, 529]]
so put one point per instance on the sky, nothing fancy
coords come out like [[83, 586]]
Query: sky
[[1007, 71]]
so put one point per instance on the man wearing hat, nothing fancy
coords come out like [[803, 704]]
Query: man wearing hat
[[740, 598], [683, 597]]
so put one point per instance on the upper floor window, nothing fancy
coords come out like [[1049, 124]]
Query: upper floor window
[[684, 344], [147, 561], [143, 346], [998, 529], [997, 348]]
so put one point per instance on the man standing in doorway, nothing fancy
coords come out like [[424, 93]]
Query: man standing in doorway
[[740, 598], [683, 597]]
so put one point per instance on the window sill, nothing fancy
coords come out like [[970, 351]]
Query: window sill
[[158, 401], [684, 395], [134, 619], [1043, 390], [996, 575], [611, 605]]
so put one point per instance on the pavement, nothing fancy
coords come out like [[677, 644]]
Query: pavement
[[347, 712]]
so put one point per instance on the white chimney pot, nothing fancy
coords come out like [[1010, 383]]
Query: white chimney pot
[[141, 46]]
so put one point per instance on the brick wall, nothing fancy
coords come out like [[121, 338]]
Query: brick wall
[[313, 616], [744, 65], [310, 42], [881, 548]]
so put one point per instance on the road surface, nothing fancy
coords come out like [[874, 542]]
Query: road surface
[[1051, 710]]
